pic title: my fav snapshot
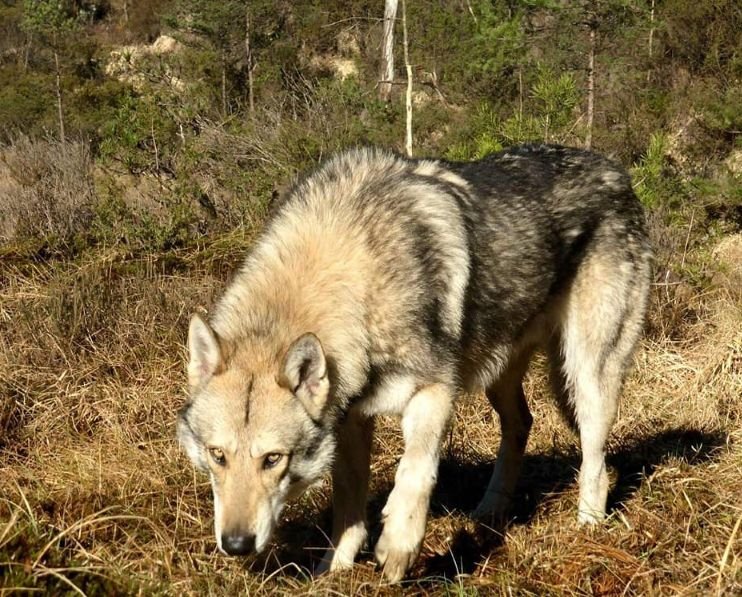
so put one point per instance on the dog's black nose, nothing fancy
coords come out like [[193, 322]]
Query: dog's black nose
[[238, 545]]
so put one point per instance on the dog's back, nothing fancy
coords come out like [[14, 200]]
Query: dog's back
[[462, 257], [538, 214]]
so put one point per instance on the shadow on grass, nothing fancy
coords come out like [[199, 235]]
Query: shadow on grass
[[461, 485]]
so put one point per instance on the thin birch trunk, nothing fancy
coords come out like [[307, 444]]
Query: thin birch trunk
[[27, 51], [387, 50], [60, 110], [224, 83], [651, 40], [248, 59], [651, 30], [408, 67], [590, 89]]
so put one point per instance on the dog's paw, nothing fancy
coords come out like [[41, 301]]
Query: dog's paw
[[590, 518], [333, 561], [494, 507], [395, 561], [483, 512], [323, 566], [492, 514]]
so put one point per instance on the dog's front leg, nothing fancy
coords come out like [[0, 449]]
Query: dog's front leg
[[424, 422], [350, 476]]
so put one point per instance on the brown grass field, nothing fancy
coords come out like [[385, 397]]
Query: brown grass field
[[96, 497]]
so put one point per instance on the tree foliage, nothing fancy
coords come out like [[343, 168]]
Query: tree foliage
[[51, 19], [487, 74]]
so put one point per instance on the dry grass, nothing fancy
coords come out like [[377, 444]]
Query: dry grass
[[46, 189], [96, 497]]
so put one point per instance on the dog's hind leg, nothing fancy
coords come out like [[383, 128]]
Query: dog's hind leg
[[601, 322], [350, 477], [507, 398]]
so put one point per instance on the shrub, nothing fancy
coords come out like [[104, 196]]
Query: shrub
[[26, 102], [46, 190], [648, 172]]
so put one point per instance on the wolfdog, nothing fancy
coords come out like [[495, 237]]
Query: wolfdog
[[385, 285]]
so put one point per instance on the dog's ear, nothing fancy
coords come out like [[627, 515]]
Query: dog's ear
[[304, 372], [205, 355]]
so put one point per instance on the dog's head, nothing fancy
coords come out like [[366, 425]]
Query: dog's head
[[255, 422]]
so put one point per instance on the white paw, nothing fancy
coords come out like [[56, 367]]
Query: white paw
[[395, 559], [333, 561], [343, 556], [590, 516]]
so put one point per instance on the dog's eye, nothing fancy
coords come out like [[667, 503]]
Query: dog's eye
[[218, 456], [272, 460]]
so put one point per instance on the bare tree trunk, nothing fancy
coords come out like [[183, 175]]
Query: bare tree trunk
[[520, 93], [590, 89], [387, 50], [408, 67], [60, 111], [224, 83], [471, 12], [248, 59], [651, 39], [154, 144], [27, 51], [126, 11], [651, 29]]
